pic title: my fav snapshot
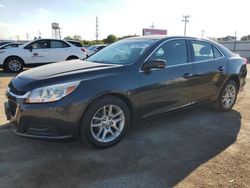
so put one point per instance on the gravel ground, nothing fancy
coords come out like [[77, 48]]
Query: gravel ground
[[198, 147]]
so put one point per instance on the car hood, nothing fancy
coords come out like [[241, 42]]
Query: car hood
[[62, 72]]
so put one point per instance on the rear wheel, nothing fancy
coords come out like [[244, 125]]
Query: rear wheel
[[228, 96], [14, 64], [105, 122]]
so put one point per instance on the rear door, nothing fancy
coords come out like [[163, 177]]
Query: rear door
[[59, 50], [210, 68], [169, 88]]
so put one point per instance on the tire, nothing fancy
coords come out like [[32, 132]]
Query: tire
[[227, 97], [71, 58], [99, 130], [14, 64]]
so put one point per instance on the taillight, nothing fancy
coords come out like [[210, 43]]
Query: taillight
[[83, 49], [246, 61]]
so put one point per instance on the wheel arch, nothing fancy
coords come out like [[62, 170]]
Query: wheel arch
[[122, 97], [233, 77], [11, 56], [236, 79], [72, 56]]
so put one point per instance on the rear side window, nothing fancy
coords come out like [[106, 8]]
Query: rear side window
[[204, 51], [174, 52], [100, 47], [58, 44], [217, 54], [77, 44]]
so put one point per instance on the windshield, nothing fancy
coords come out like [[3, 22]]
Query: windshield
[[122, 52]]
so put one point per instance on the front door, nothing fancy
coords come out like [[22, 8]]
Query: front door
[[37, 52], [166, 89]]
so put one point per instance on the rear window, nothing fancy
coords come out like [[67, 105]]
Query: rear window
[[91, 47], [77, 44]]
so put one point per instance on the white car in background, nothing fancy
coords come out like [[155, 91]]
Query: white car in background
[[37, 52], [10, 45]]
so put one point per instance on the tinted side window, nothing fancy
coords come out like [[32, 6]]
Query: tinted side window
[[39, 44], [7, 46], [174, 52], [217, 54], [100, 47], [202, 51], [58, 44], [77, 44]]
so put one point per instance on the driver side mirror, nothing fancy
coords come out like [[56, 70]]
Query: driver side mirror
[[154, 64], [29, 48]]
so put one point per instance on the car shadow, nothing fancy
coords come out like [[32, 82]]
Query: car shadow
[[156, 153], [5, 74], [8, 74]]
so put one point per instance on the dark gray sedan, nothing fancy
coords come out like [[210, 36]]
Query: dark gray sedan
[[131, 80]]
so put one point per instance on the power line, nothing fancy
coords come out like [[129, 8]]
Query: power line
[[152, 26], [39, 34], [27, 36], [235, 39], [96, 29], [202, 33], [185, 20]]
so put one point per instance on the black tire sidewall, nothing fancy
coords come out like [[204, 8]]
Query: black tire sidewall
[[85, 130], [219, 102], [11, 59]]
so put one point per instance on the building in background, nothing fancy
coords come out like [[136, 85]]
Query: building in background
[[148, 31], [239, 47]]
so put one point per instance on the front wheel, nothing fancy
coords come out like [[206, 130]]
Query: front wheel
[[228, 96], [14, 64], [105, 122]]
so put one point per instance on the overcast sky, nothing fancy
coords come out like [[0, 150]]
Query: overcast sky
[[122, 17]]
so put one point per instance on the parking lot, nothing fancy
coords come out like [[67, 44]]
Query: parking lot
[[197, 147]]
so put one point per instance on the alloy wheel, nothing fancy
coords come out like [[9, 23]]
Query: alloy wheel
[[107, 123], [15, 65], [229, 96]]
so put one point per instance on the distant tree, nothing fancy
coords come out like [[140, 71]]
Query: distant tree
[[244, 38], [227, 38], [77, 37], [68, 38], [110, 39], [86, 42], [127, 36]]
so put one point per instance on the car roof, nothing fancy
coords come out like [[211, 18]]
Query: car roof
[[13, 43], [99, 45], [159, 37], [10, 43], [29, 42], [73, 41]]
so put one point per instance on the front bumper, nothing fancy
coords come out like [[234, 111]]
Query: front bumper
[[58, 120]]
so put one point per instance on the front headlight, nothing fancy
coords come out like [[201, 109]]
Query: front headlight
[[51, 93]]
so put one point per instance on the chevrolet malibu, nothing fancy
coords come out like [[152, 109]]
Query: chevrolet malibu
[[133, 79]]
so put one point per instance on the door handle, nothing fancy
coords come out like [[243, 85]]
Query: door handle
[[187, 75], [221, 68]]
